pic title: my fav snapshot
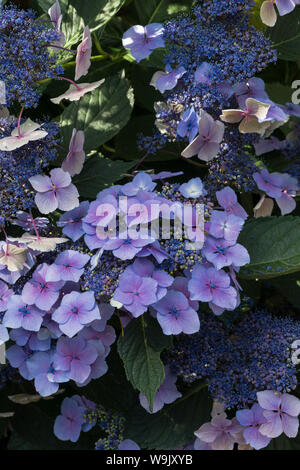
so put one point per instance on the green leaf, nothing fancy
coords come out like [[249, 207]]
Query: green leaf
[[155, 11], [289, 288], [286, 36], [99, 173], [279, 93], [151, 11], [97, 13], [143, 366], [156, 338], [77, 13], [100, 114], [127, 140], [174, 426], [273, 246], [284, 443]]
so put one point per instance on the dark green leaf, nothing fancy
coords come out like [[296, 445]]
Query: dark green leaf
[[273, 246], [286, 36], [172, 427], [100, 114], [77, 13], [151, 11], [143, 366], [98, 173]]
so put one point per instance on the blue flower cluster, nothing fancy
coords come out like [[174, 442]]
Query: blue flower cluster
[[217, 48], [254, 355], [80, 415], [25, 59], [216, 8]]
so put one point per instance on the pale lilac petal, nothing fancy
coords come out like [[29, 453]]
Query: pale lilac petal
[[290, 404], [46, 202], [273, 427], [290, 425], [269, 400]]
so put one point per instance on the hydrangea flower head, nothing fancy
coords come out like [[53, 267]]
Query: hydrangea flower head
[[175, 315], [68, 266], [168, 80], [210, 285], [189, 124], [68, 425], [25, 60], [142, 41], [21, 315], [136, 293], [40, 291], [76, 310], [54, 192], [206, 145], [75, 356], [71, 221], [251, 420], [192, 189], [281, 412]]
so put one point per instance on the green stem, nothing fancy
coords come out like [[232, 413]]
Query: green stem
[[190, 393], [285, 41], [96, 58], [108, 148], [97, 44]]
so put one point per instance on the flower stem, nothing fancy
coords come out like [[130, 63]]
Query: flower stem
[[19, 121], [61, 48], [7, 242], [191, 392], [34, 226], [70, 81]]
